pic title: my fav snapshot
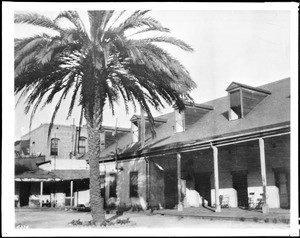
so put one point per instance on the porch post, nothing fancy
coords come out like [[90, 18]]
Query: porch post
[[216, 179], [41, 194], [180, 207], [71, 193], [77, 196], [265, 207]]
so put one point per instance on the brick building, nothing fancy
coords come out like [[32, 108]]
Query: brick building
[[55, 169]]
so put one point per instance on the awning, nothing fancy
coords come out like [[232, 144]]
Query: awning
[[54, 175]]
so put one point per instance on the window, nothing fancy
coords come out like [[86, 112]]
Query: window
[[235, 105], [82, 145], [179, 121], [54, 146], [112, 185], [133, 184], [102, 185]]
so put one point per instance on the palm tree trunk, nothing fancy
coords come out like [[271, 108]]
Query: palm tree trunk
[[97, 210]]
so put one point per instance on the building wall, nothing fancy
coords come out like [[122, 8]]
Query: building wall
[[82, 197], [66, 134], [157, 185], [123, 184]]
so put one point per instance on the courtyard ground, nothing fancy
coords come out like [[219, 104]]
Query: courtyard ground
[[48, 218]]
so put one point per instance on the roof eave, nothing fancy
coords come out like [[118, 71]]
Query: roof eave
[[282, 128]]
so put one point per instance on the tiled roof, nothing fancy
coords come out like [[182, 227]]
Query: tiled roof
[[272, 110]]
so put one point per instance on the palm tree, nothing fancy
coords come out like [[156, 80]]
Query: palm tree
[[98, 67]]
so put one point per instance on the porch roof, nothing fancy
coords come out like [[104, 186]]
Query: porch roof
[[41, 175]]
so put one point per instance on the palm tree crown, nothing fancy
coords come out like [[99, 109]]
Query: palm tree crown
[[98, 67], [102, 64]]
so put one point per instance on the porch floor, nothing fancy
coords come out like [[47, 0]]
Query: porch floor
[[277, 215]]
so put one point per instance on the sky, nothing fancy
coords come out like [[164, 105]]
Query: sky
[[250, 47]]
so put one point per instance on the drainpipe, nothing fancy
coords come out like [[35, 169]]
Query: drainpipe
[[216, 178], [265, 207], [180, 205], [148, 182]]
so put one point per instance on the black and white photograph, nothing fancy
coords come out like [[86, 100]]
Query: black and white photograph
[[150, 119]]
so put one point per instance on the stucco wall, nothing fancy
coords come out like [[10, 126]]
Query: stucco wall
[[123, 184], [138, 165]]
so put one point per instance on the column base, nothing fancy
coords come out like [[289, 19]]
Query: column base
[[218, 208], [265, 208], [180, 207]]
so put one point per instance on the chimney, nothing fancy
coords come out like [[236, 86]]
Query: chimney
[[179, 120], [138, 128], [143, 128]]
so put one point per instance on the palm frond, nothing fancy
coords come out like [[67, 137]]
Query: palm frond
[[73, 17], [37, 20], [148, 29], [54, 114], [74, 96], [116, 19], [136, 21], [169, 40]]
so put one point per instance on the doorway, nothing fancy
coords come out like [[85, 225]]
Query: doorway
[[282, 181], [24, 194], [171, 196], [240, 184], [203, 186]]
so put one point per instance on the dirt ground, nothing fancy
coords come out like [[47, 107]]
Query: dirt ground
[[50, 218]]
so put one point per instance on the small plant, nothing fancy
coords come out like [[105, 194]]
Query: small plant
[[106, 223], [76, 222], [136, 207], [123, 221], [20, 226]]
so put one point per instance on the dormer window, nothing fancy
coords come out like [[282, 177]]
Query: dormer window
[[235, 111], [243, 99], [179, 121], [136, 125], [190, 115]]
